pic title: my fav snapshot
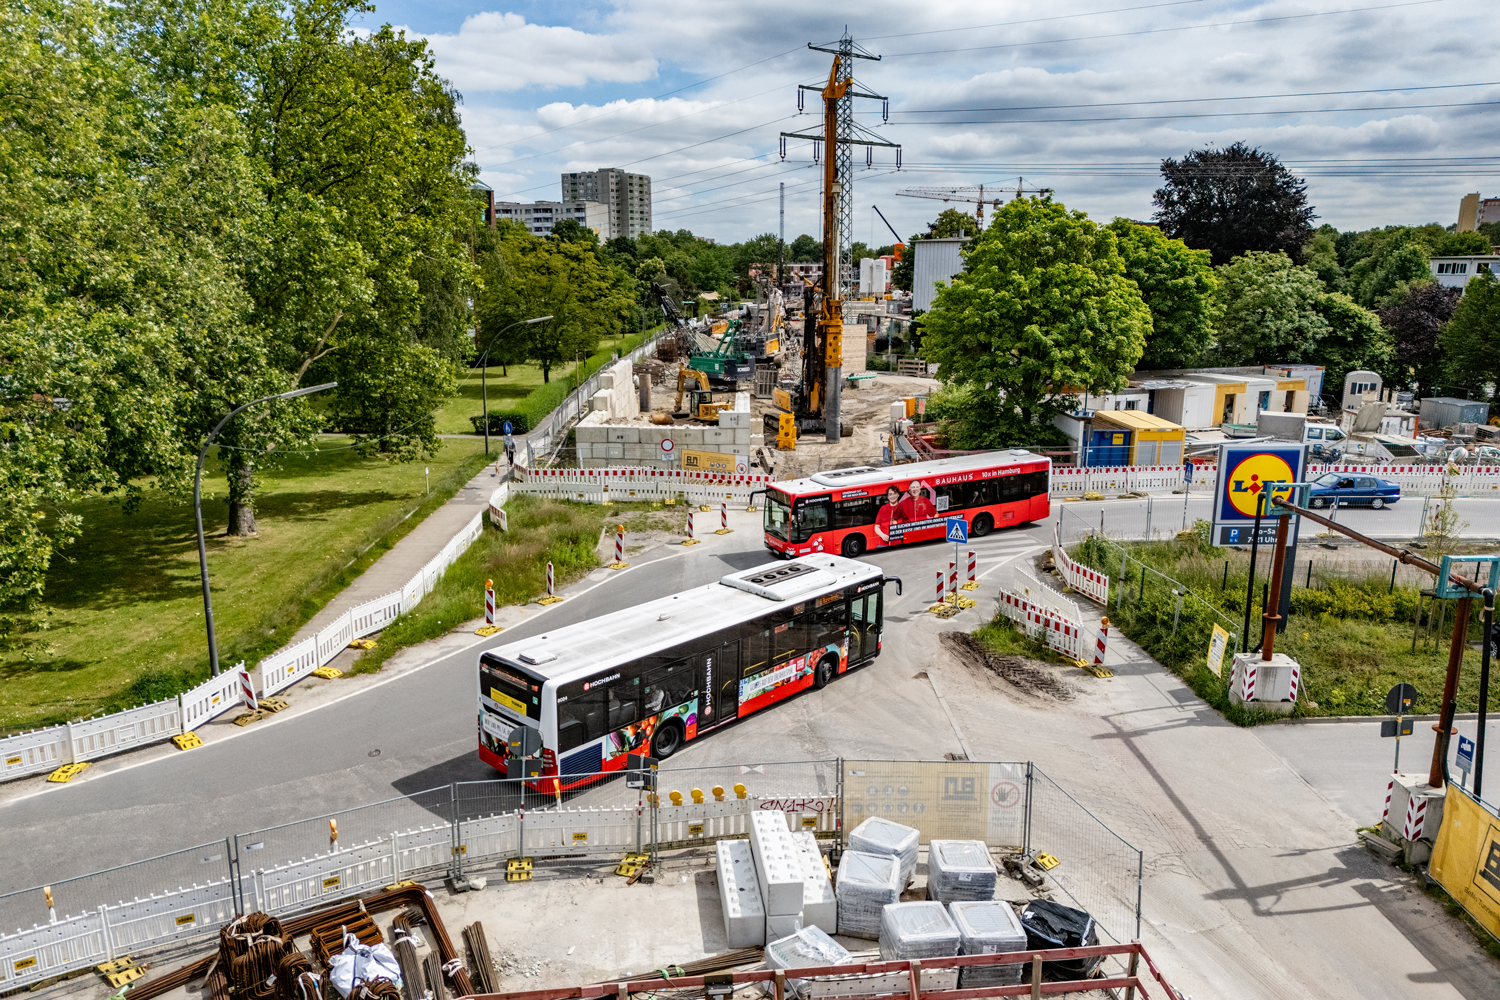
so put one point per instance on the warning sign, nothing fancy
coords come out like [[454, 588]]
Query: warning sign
[[1466, 857]]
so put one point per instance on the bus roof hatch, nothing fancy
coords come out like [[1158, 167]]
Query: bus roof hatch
[[781, 581]]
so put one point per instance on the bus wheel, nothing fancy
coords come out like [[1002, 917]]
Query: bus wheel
[[983, 525], [667, 741], [853, 547], [823, 675]]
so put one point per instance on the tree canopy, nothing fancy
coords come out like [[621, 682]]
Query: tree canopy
[[1471, 340], [1415, 320], [1232, 201], [1179, 287], [1042, 309]]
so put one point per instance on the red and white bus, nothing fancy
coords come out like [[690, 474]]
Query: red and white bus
[[850, 511], [649, 678]]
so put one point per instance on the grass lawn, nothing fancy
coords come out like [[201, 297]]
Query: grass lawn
[[508, 391], [1352, 637], [565, 533], [123, 608]]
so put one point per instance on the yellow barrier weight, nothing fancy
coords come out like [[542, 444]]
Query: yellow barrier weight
[[68, 772], [187, 741]]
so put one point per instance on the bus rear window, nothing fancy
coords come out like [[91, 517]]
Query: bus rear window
[[507, 684]]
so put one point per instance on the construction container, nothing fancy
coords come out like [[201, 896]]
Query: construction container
[[1133, 437], [1444, 411]]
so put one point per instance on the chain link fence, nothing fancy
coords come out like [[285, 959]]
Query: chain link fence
[[1097, 869]]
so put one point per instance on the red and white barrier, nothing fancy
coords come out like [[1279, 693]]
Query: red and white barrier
[[489, 602], [953, 578], [1416, 815], [1102, 642], [1386, 812], [1056, 632], [247, 690], [1090, 583], [690, 527], [938, 593], [1296, 679], [973, 565], [550, 590]]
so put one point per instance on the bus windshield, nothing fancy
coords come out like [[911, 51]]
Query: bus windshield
[[778, 514]]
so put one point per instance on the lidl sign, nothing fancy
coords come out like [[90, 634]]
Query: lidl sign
[[1248, 473]]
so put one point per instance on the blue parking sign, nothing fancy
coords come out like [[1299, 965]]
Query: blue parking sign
[[958, 529]]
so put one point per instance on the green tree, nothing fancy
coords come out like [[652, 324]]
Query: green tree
[[1043, 308], [1383, 276], [1321, 253], [1415, 321], [805, 249], [1275, 311], [760, 251], [1232, 201], [1179, 287], [573, 231], [1462, 244], [950, 223], [1471, 340]]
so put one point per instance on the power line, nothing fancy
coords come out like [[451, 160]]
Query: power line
[[1157, 31], [1038, 20], [1186, 100], [1201, 114]]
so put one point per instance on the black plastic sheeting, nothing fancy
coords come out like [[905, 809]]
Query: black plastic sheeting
[[1052, 925]]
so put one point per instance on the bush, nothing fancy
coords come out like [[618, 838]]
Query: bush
[[519, 419]]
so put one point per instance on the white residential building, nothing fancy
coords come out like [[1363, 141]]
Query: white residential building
[[1456, 272], [626, 199], [540, 216]]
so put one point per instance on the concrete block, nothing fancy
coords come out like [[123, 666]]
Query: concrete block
[[742, 402], [717, 435], [819, 905], [739, 895], [634, 452], [614, 451], [625, 435], [688, 436], [742, 435], [1267, 686], [732, 418], [757, 440], [777, 864], [606, 382], [597, 432], [599, 402]]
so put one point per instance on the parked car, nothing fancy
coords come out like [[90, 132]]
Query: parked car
[[1353, 491]]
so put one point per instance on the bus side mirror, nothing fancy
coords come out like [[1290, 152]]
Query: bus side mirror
[[893, 579]]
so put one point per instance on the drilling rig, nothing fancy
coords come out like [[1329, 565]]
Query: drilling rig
[[816, 405]]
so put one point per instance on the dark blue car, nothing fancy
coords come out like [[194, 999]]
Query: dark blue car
[[1353, 491]]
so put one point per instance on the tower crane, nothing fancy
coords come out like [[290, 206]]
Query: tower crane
[[970, 193]]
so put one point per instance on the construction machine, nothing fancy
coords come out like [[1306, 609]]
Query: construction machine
[[725, 363], [701, 404]]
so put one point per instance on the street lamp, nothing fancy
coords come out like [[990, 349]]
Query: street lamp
[[208, 607], [484, 367]]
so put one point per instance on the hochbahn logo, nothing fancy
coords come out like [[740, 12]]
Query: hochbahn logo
[[1264, 473]]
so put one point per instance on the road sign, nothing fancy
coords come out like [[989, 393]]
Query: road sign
[[1399, 699], [1248, 472], [666, 449], [958, 529], [1388, 728], [507, 428], [1465, 754], [1187, 471]]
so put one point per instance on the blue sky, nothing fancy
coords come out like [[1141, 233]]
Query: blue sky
[[1083, 96]]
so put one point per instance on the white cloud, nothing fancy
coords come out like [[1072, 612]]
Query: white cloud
[[502, 52]]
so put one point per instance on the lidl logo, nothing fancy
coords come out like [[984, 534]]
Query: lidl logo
[[1256, 475]]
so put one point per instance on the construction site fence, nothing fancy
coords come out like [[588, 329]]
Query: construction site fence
[[465, 828], [46, 749], [544, 440], [628, 485], [1420, 480]]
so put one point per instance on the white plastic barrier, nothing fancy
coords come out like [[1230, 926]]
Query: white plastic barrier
[[33, 752], [626, 483], [1076, 480], [49, 950], [120, 730], [212, 698], [563, 832], [1033, 590], [1056, 632], [1088, 582]]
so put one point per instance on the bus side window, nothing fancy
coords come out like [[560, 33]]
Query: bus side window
[[667, 686], [1035, 484], [756, 651], [580, 718], [624, 703], [829, 622], [854, 513]]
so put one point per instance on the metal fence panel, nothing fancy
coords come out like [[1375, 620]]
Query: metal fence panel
[[1099, 870], [176, 872], [959, 800], [290, 843]]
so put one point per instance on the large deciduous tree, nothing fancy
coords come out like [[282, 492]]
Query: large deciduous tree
[[1179, 287], [1042, 308], [1415, 321], [1232, 201], [1471, 340]]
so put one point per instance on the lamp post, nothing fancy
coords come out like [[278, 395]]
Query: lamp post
[[208, 607], [484, 368]]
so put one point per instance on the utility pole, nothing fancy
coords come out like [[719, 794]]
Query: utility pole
[[781, 241], [839, 134]]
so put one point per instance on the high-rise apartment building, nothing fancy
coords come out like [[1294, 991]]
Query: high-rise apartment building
[[540, 216], [627, 197]]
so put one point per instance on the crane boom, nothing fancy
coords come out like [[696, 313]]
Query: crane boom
[[971, 193]]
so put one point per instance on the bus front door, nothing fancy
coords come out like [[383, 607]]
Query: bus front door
[[719, 679]]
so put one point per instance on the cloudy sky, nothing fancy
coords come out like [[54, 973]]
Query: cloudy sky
[[1387, 108]]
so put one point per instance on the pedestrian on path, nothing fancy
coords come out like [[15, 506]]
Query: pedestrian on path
[[510, 456]]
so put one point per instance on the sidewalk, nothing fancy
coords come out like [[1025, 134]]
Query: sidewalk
[[390, 572]]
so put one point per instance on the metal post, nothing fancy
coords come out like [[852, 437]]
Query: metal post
[[1271, 605], [1394, 564], [1250, 584], [484, 395], [1148, 518], [1435, 776], [458, 864], [1484, 691], [1030, 786]]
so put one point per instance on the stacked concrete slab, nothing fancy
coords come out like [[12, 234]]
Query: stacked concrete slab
[[605, 439], [819, 907], [780, 869], [739, 895]]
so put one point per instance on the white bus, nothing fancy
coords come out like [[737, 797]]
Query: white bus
[[651, 677]]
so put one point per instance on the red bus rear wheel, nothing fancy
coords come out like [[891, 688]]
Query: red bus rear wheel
[[983, 525], [853, 547], [823, 675]]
